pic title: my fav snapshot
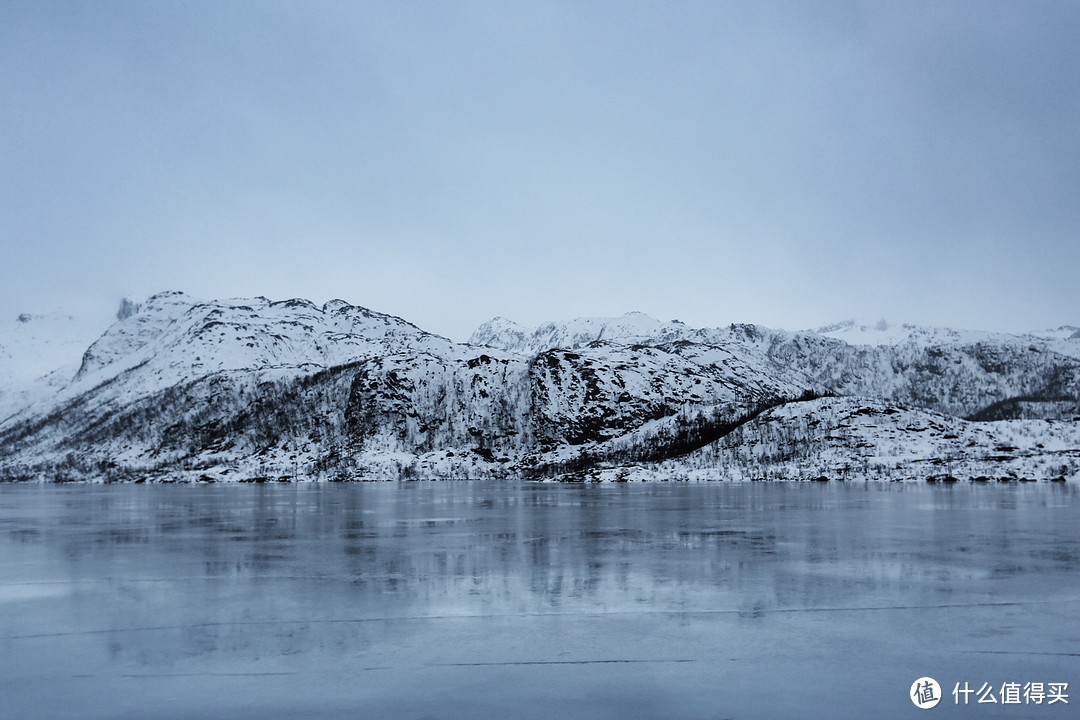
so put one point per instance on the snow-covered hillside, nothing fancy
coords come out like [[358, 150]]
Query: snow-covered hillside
[[883, 333], [844, 438], [957, 372], [40, 353], [180, 388], [634, 327]]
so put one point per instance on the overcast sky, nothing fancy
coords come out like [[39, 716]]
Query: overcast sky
[[790, 164]]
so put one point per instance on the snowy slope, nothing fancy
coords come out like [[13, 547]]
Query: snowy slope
[[181, 337], [883, 333], [40, 353], [950, 371], [957, 372], [1062, 332], [845, 438], [250, 388], [634, 327], [1064, 339], [174, 341]]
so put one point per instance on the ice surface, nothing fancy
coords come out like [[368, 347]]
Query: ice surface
[[491, 600]]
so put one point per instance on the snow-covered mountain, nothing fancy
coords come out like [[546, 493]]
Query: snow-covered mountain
[[842, 438], [634, 327], [883, 333], [957, 372], [249, 388], [173, 338]]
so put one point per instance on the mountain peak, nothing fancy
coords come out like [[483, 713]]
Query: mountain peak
[[499, 332], [169, 295], [336, 305], [181, 337]]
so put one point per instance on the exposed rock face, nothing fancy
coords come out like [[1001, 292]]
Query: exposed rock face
[[127, 309]]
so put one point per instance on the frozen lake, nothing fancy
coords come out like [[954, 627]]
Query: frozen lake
[[502, 600]]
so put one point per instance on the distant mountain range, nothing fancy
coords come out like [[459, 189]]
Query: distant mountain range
[[179, 389]]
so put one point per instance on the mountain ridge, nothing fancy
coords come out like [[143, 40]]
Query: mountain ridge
[[253, 388]]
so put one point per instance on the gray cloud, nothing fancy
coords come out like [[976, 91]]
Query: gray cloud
[[789, 163]]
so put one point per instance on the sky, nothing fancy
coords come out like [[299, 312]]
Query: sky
[[791, 164]]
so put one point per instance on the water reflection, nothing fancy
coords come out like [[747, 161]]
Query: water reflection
[[285, 579]]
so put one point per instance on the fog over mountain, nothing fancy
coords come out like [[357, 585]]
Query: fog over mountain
[[253, 389], [782, 163]]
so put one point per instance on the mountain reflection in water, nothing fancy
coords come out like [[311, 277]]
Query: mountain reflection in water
[[481, 599]]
